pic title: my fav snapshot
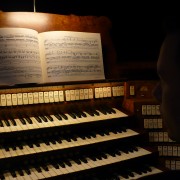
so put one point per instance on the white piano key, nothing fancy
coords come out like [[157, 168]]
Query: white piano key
[[95, 162], [64, 170], [43, 147], [54, 146], [46, 147], [26, 176], [40, 125], [80, 166], [101, 116], [71, 120], [85, 165], [45, 173], [2, 129], [88, 117], [6, 153], [1, 153], [23, 126], [81, 141], [19, 151], [8, 176], [35, 149], [58, 170], [74, 166], [26, 150], [12, 127], [90, 162], [18, 125], [12, 152], [19, 177], [69, 168], [57, 122], [34, 124], [35, 174], [110, 158], [51, 170], [6, 128], [119, 114]]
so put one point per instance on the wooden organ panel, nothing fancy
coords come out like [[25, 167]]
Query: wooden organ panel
[[76, 130], [147, 110]]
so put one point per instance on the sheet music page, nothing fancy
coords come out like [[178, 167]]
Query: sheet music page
[[71, 56], [19, 56]]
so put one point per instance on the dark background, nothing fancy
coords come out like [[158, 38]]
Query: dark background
[[137, 28]]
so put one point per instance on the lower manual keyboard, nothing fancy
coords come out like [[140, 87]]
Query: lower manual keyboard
[[82, 163]]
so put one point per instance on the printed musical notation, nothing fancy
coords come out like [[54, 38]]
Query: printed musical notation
[[75, 55], [72, 70], [19, 56], [27, 56]]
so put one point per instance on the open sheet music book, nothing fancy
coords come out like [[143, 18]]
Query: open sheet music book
[[27, 56]]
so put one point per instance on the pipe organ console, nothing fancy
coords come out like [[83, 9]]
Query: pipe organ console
[[73, 131], [76, 130]]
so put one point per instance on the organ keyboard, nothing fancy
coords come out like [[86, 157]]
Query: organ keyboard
[[71, 138]]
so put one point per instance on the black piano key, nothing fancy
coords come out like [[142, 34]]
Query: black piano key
[[78, 161], [2, 177], [43, 118], [58, 117], [22, 121], [59, 140], [45, 168], [83, 114], [61, 164], [130, 173], [38, 169], [37, 144], [13, 173], [76, 113], [74, 138], [89, 112], [103, 111], [118, 152], [63, 116], [93, 134], [1, 124], [30, 145], [83, 159], [53, 141], [28, 120], [72, 115], [13, 122], [55, 165], [96, 112], [14, 147], [67, 162], [27, 171], [6, 122], [38, 119], [20, 146], [104, 155], [108, 109], [20, 172], [49, 118], [68, 139], [6, 148], [148, 168], [47, 142], [93, 158], [106, 132]]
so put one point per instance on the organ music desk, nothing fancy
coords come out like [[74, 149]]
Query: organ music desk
[[50, 132]]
